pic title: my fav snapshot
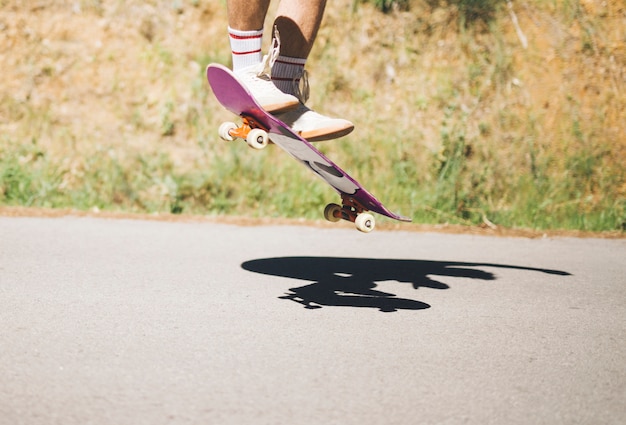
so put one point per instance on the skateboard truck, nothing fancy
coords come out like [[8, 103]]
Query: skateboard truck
[[351, 210], [251, 131]]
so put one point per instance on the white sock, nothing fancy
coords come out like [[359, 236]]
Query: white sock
[[285, 71], [245, 47]]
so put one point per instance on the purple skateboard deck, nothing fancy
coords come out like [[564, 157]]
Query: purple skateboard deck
[[238, 100]]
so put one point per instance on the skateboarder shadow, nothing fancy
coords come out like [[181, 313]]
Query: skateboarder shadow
[[351, 282]]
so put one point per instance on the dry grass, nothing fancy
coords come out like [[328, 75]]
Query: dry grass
[[457, 121]]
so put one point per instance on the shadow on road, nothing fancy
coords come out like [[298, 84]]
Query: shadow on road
[[351, 282]]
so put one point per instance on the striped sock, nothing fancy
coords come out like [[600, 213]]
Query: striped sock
[[245, 47], [285, 70]]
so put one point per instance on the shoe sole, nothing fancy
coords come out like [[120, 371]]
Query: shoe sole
[[277, 108], [326, 134]]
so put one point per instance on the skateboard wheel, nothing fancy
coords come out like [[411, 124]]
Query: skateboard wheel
[[257, 138], [365, 222], [224, 130], [332, 212]]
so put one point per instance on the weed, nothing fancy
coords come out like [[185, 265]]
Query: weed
[[387, 6], [167, 121]]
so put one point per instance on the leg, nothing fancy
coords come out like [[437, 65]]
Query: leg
[[300, 20], [247, 15], [245, 31]]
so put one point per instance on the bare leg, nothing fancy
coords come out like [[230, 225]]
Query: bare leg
[[245, 31], [298, 22], [247, 15]]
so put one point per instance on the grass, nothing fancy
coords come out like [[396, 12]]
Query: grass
[[456, 122]]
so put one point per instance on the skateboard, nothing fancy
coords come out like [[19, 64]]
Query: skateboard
[[259, 126]]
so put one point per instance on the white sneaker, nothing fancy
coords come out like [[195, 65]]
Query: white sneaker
[[315, 127], [258, 80], [264, 91]]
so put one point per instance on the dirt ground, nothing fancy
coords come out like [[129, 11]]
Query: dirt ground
[[118, 73]]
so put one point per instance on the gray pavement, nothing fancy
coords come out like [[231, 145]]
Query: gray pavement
[[145, 322]]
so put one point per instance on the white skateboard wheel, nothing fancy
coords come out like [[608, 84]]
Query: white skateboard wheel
[[365, 222], [332, 213], [224, 130], [257, 138]]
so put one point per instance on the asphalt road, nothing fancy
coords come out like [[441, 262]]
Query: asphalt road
[[145, 322]]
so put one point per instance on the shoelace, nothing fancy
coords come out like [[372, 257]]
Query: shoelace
[[301, 86], [269, 59]]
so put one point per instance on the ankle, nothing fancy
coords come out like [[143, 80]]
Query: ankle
[[286, 73], [245, 47]]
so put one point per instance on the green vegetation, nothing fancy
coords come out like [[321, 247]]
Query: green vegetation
[[469, 112]]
